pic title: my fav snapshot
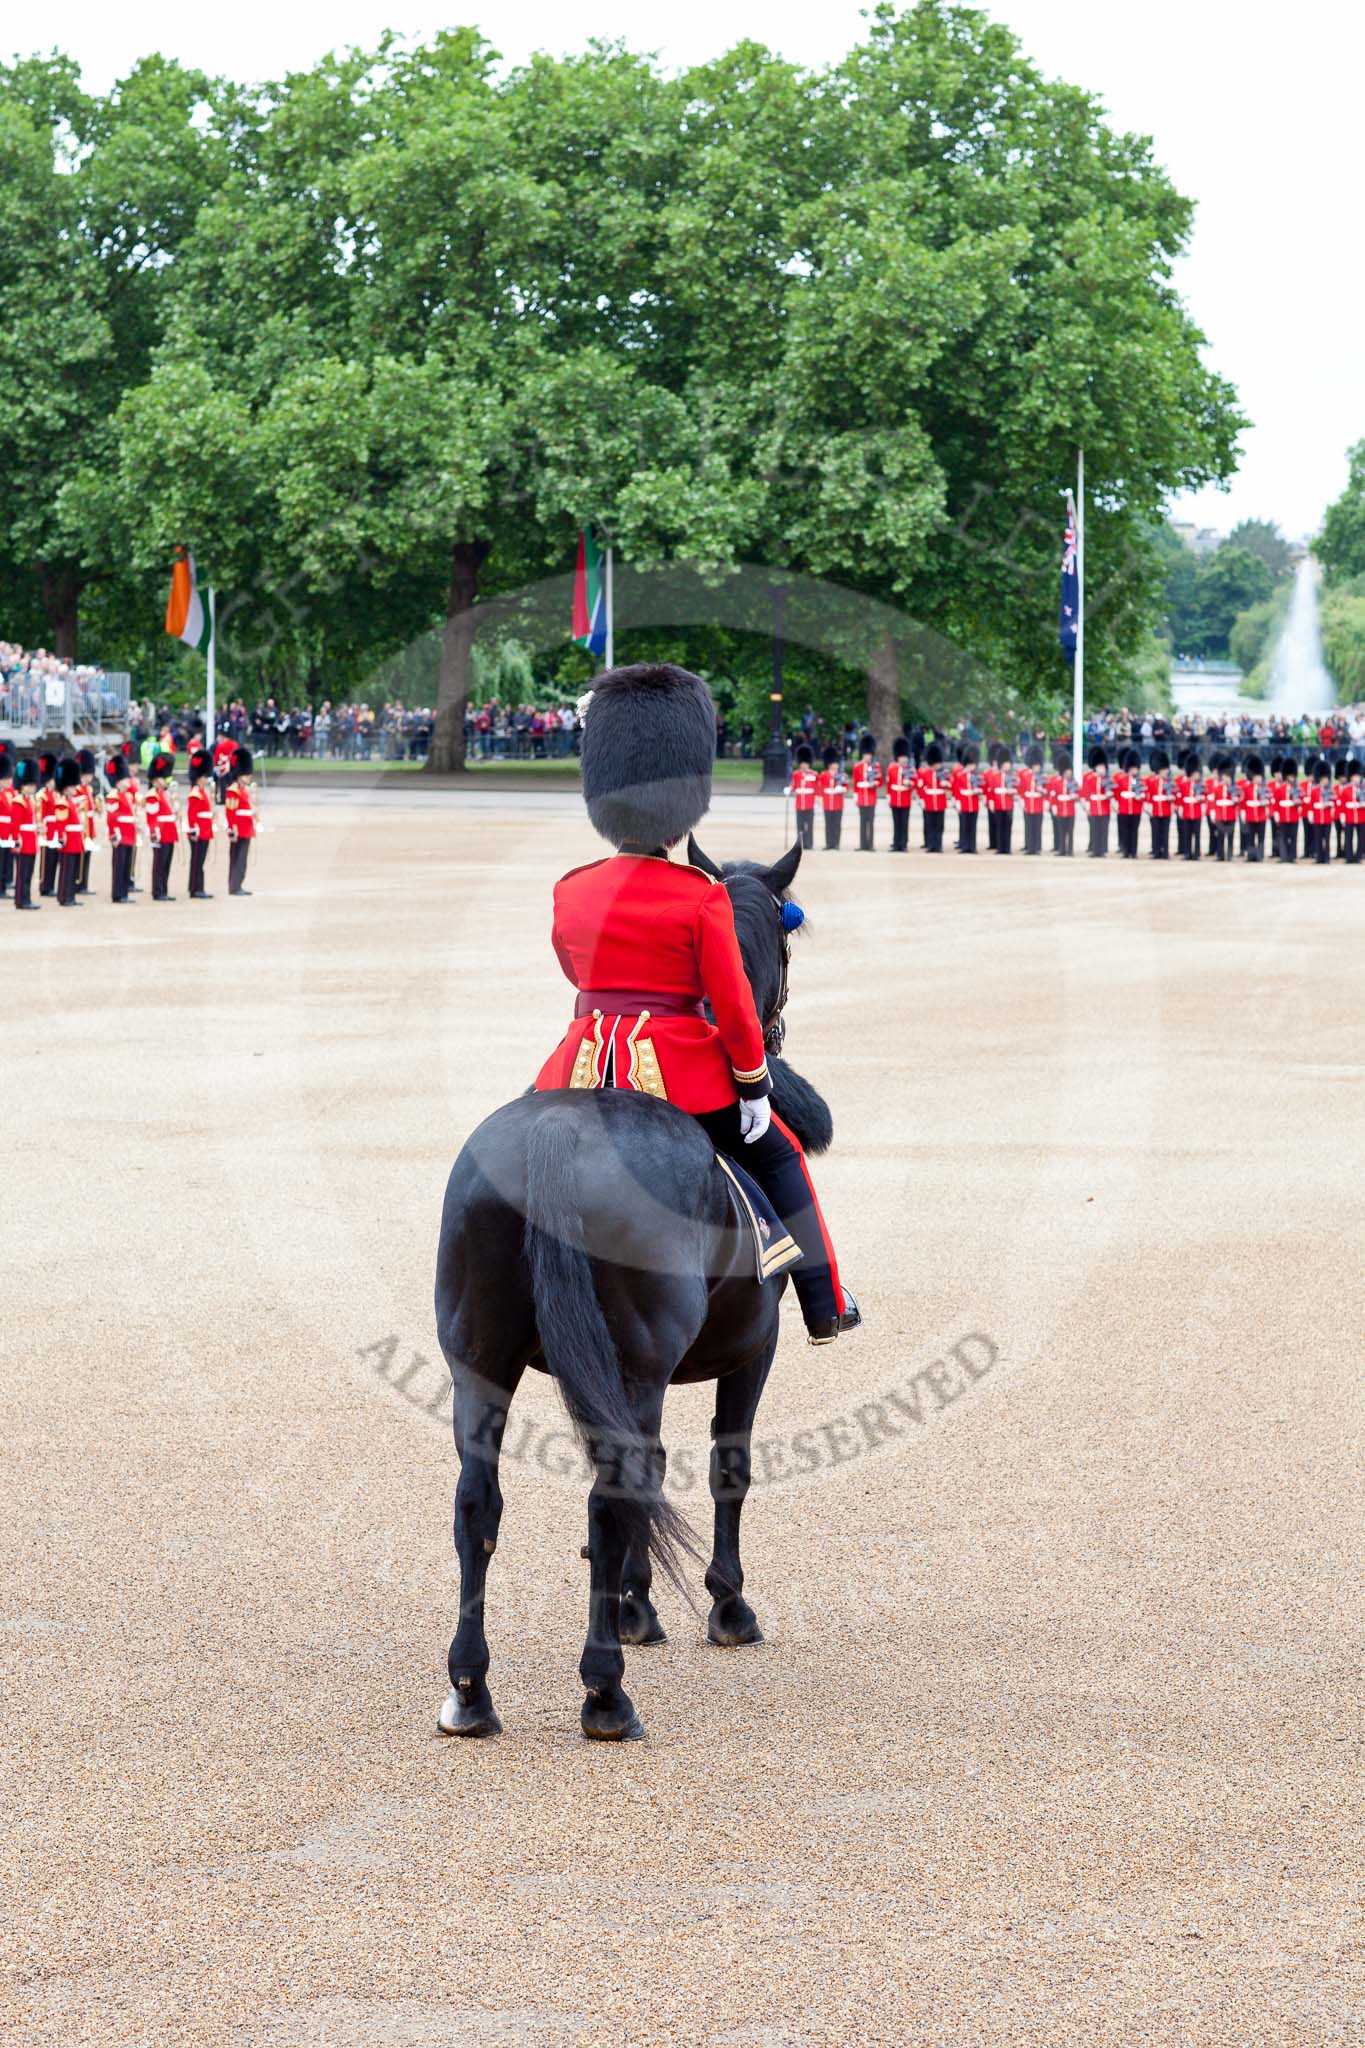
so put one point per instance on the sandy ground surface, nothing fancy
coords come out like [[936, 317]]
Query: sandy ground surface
[[1056, 1736]]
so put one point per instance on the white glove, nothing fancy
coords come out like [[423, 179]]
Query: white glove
[[754, 1118]]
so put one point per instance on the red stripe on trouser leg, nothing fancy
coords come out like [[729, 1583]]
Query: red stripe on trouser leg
[[825, 1239]]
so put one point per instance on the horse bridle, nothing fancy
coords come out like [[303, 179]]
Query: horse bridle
[[774, 1026]]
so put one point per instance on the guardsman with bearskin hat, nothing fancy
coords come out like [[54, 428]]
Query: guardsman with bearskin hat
[[1001, 800], [239, 804], [801, 789], [867, 782], [1032, 801], [199, 822], [1190, 806], [1254, 801], [163, 824], [23, 816], [829, 784], [1095, 795], [120, 819], [990, 782], [967, 797], [69, 819], [933, 797], [1159, 798], [1129, 800], [1342, 773], [1060, 791], [8, 827], [1322, 811], [900, 794], [91, 804], [1353, 815], [48, 836], [663, 1003]]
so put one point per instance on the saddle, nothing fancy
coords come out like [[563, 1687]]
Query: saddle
[[775, 1249]]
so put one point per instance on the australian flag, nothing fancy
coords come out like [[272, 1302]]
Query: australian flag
[[1071, 585]]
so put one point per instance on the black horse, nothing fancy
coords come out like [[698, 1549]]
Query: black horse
[[591, 1235]]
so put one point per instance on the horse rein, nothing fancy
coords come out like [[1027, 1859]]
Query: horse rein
[[774, 1028]]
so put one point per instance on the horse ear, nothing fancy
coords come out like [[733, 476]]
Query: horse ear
[[697, 859], [782, 873]]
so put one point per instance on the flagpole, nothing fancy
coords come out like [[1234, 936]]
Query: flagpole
[[1078, 677], [611, 637], [213, 660]]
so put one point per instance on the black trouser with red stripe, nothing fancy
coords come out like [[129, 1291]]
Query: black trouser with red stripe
[[966, 832], [900, 828], [1161, 839], [778, 1164], [1033, 831], [1253, 833], [23, 879], [237, 860], [1064, 836], [121, 873], [834, 824], [933, 831], [47, 874], [1004, 830], [805, 827], [6, 869], [866, 818], [68, 875], [161, 871], [1099, 837], [199, 852]]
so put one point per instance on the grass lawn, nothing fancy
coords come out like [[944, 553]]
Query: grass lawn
[[740, 773]]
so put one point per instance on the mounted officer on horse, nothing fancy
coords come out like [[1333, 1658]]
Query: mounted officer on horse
[[605, 1227]]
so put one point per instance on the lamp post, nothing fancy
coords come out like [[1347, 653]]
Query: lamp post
[[775, 753]]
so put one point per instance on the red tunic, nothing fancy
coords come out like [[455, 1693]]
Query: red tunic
[[632, 927], [199, 813], [867, 780], [900, 785], [23, 821], [802, 787], [830, 783], [241, 813], [932, 795]]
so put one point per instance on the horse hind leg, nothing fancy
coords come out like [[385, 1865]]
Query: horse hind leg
[[640, 1623], [633, 1470], [732, 1621], [480, 1418]]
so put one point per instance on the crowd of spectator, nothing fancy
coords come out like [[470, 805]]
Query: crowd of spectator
[[35, 687]]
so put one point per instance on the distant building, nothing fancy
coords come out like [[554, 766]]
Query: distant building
[[1200, 540]]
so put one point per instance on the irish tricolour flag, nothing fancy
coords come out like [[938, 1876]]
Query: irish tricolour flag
[[590, 596], [188, 616]]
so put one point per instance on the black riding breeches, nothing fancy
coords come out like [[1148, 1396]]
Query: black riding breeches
[[776, 1163]]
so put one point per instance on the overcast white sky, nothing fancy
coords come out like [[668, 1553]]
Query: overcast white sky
[[1255, 112]]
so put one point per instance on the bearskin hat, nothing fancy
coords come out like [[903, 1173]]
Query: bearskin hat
[[86, 761], [1061, 760], [1254, 767], [867, 744], [1132, 760], [900, 749], [68, 773], [241, 763], [970, 756], [160, 766], [831, 755], [648, 749], [804, 757], [6, 765], [47, 767], [25, 774], [1343, 768], [200, 766], [1033, 757], [116, 769], [1160, 761], [933, 754], [1098, 758]]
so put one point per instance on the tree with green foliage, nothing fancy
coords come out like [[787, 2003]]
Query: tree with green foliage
[[97, 197], [1342, 618], [1341, 545], [1263, 538]]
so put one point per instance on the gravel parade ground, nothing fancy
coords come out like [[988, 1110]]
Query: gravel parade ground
[[1055, 1738]]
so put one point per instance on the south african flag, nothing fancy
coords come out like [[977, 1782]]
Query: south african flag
[[590, 596]]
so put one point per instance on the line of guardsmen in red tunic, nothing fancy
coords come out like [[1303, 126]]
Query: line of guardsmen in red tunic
[[1327, 798], [51, 808]]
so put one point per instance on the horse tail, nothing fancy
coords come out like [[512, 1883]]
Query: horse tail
[[581, 1352]]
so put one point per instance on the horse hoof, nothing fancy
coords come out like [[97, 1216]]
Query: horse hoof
[[461, 1716], [732, 1626], [640, 1625], [616, 1723]]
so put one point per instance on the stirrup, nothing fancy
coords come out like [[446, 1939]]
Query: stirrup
[[829, 1327]]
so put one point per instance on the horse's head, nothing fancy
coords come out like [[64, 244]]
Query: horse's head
[[765, 918], [764, 924]]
